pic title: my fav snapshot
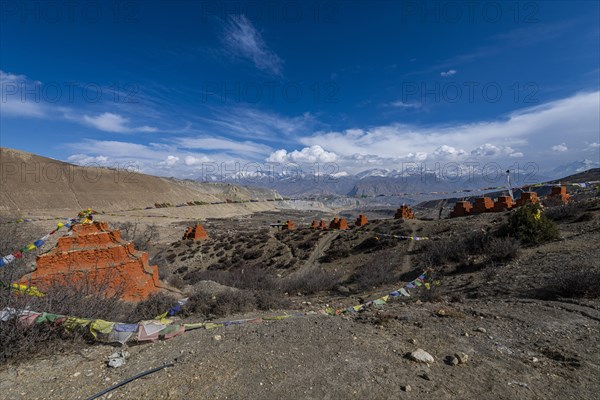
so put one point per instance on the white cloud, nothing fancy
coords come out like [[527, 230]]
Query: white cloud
[[83, 159], [312, 154], [593, 146], [268, 126], [115, 123], [446, 151], [243, 40], [193, 160], [23, 97], [20, 97], [559, 148], [490, 150], [448, 73], [401, 104], [526, 131], [170, 161]]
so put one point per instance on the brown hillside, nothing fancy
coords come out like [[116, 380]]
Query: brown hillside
[[29, 182]]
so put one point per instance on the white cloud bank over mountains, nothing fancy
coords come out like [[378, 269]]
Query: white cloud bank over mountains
[[550, 134]]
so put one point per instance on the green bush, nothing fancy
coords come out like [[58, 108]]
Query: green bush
[[530, 226]]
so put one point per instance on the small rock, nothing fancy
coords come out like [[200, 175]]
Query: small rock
[[342, 289], [116, 362], [412, 341], [406, 388], [425, 376], [466, 334], [534, 359], [461, 357], [418, 302], [118, 359], [217, 337], [76, 374], [122, 353], [453, 360], [482, 330], [522, 384], [421, 355]]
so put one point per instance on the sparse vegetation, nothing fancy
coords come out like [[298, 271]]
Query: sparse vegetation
[[84, 299], [501, 249], [228, 302], [582, 283], [154, 305], [141, 238], [473, 248], [373, 275], [571, 212], [310, 281]]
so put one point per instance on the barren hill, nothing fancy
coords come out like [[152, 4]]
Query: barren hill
[[31, 182]]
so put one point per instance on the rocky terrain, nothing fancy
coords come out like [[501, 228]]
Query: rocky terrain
[[519, 322]]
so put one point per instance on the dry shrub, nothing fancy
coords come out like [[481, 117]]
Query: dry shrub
[[177, 282], [373, 275], [253, 254], [582, 283], [87, 298], [218, 305], [153, 306], [571, 212], [132, 232], [442, 251], [310, 281], [431, 295], [13, 236], [336, 253], [249, 278], [270, 300], [501, 249], [372, 243], [460, 250]]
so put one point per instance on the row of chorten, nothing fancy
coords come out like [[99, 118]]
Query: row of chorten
[[504, 203]]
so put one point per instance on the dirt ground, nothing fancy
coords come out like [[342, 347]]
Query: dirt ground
[[521, 344]]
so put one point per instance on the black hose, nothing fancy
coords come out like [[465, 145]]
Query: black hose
[[125, 382]]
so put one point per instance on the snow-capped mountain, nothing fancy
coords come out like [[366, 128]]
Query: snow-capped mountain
[[574, 167]]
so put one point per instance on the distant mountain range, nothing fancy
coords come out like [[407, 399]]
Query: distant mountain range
[[574, 167], [379, 182]]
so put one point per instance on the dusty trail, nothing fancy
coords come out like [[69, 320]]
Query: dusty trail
[[322, 245], [406, 263]]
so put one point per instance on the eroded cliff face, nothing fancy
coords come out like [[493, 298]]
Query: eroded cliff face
[[95, 255]]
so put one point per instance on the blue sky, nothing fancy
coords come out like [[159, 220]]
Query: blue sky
[[171, 86]]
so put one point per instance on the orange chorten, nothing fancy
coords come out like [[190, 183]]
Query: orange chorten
[[559, 193], [361, 220], [96, 256], [461, 209], [503, 203], [404, 212], [339, 223], [195, 233], [527, 198], [289, 225], [482, 205], [318, 224]]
